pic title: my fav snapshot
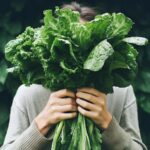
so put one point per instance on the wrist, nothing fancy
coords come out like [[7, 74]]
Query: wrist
[[42, 125], [107, 121]]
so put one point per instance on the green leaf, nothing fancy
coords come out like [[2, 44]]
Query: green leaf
[[128, 53], [98, 56], [118, 64], [3, 70], [10, 48], [120, 81], [81, 35], [65, 67], [125, 70], [49, 20], [60, 48], [120, 26], [20, 45], [118, 61], [98, 26], [66, 17], [68, 14], [140, 41]]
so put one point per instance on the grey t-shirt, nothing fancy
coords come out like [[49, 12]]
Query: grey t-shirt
[[22, 134]]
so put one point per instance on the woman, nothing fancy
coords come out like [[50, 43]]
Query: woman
[[35, 110]]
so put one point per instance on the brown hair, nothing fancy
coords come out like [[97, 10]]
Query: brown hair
[[86, 13]]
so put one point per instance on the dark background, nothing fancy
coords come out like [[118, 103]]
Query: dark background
[[15, 15]]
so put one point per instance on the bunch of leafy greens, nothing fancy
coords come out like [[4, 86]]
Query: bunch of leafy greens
[[65, 53]]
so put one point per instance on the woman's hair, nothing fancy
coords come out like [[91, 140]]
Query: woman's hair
[[86, 13]]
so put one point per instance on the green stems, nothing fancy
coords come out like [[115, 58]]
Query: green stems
[[77, 134], [58, 131]]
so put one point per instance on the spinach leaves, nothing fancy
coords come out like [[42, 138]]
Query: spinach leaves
[[64, 53]]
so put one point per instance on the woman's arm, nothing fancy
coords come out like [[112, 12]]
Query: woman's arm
[[22, 136], [116, 136], [125, 135]]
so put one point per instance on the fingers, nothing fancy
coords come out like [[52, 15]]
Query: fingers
[[64, 116], [62, 101], [86, 96], [63, 93], [65, 108], [85, 104], [86, 113], [91, 91]]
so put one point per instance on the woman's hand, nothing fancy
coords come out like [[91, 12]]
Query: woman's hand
[[92, 104], [57, 109]]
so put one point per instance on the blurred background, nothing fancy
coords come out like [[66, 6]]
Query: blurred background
[[15, 15]]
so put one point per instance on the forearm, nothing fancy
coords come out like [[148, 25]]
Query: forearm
[[116, 138], [30, 139]]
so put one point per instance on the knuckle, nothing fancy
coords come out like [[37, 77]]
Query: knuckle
[[99, 111], [57, 117], [96, 115], [53, 109], [70, 101], [65, 91], [51, 102], [48, 105], [55, 120], [90, 97], [52, 95], [70, 107], [102, 103]]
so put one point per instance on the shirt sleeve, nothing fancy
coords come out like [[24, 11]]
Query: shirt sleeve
[[126, 134], [22, 136]]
